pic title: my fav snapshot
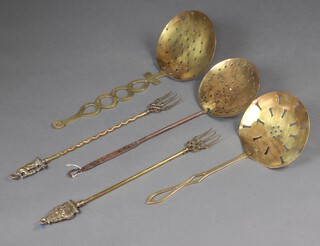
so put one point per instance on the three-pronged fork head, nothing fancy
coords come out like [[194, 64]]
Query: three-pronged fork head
[[203, 141], [163, 103]]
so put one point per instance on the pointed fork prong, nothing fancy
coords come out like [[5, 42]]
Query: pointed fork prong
[[203, 134], [163, 97], [170, 99], [173, 104], [209, 137], [164, 103], [214, 141], [203, 141]]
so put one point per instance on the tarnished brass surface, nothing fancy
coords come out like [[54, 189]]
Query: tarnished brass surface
[[274, 131], [229, 87], [185, 49], [226, 90], [163, 103], [69, 210]]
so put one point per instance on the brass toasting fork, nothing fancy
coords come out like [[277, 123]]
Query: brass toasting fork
[[226, 90], [163, 103], [68, 210]]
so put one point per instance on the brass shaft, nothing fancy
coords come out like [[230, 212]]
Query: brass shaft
[[135, 144], [95, 137], [137, 175]]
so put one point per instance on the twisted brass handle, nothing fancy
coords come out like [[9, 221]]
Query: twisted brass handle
[[160, 104], [98, 104]]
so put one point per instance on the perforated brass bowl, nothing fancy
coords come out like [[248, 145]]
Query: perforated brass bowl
[[274, 129], [229, 87], [186, 45]]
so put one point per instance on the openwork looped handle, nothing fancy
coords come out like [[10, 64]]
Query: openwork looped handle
[[162, 195], [93, 108]]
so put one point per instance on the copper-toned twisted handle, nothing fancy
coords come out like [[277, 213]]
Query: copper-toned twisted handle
[[99, 135], [79, 170], [98, 104], [40, 164], [160, 104], [162, 195]]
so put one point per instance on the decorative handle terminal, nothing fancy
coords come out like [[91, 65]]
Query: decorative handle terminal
[[65, 211], [68, 210], [30, 168], [95, 107]]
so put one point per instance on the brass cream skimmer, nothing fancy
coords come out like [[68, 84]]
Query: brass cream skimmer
[[185, 49], [226, 90], [273, 131]]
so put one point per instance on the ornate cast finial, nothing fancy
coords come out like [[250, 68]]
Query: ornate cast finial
[[30, 168], [65, 211]]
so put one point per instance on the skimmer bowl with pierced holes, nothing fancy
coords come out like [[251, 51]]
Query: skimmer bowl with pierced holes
[[274, 130], [185, 49], [229, 87], [226, 90]]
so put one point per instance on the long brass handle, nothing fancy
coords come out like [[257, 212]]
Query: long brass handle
[[68, 210], [79, 170], [160, 104], [41, 164], [162, 195], [94, 108]]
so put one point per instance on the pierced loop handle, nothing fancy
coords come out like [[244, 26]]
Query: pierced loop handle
[[93, 108], [162, 195]]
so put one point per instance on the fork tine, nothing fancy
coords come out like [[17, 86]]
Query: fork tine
[[170, 99], [163, 97], [208, 138], [203, 134], [165, 102], [203, 141], [214, 141], [173, 104]]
